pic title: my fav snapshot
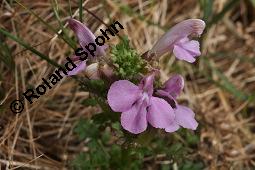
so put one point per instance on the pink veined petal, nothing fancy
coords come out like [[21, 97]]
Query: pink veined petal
[[147, 84], [102, 49], [78, 69], [122, 95], [185, 117], [167, 97], [181, 30], [174, 85], [172, 127], [75, 58], [160, 113], [183, 54], [192, 47], [134, 120], [85, 36]]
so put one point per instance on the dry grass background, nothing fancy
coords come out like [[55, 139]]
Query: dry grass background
[[42, 136]]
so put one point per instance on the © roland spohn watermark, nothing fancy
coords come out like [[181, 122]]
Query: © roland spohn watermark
[[31, 95]]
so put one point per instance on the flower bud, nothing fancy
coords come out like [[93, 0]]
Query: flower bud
[[92, 71]]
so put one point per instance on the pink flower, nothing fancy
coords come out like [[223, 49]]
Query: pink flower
[[85, 37], [184, 116], [138, 106], [177, 40], [81, 66]]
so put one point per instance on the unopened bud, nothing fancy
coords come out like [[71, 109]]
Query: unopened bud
[[92, 71]]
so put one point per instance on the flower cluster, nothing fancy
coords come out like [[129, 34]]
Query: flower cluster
[[142, 104]]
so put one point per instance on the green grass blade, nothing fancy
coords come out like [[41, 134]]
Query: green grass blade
[[207, 7], [253, 2], [70, 8], [21, 42], [130, 12], [6, 55], [38, 17], [80, 10], [230, 55], [230, 4], [56, 12], [224, 83], [63, 37]]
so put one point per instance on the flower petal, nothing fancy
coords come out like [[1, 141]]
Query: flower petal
[[174, 85], [172, 127], [167, 97], [134, 120], [85, 36], [179, 31], [191, 46], [122, 95], [147, 84], [78, 69], [183, 54], [185, 117], [160, 113]]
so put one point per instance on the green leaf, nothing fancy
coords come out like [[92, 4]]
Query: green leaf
[[86, 129], [116, 156], [81, 162], [98, 156], [192, 139], [116, 126], [97, 87], [106, 137], [188, 165], [89, 102], [165, 167], [175, 148], [104, 117], [146, 137]]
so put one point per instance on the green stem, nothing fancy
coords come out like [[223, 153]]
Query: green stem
[[18, 40]]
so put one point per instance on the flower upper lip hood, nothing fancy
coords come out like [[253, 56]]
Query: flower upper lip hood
[[85, 36], [177, 40]]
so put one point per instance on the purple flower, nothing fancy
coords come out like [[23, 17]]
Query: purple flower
[[81, 66], [85, 36], [138, 106], [184, 116], [177, 40]]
